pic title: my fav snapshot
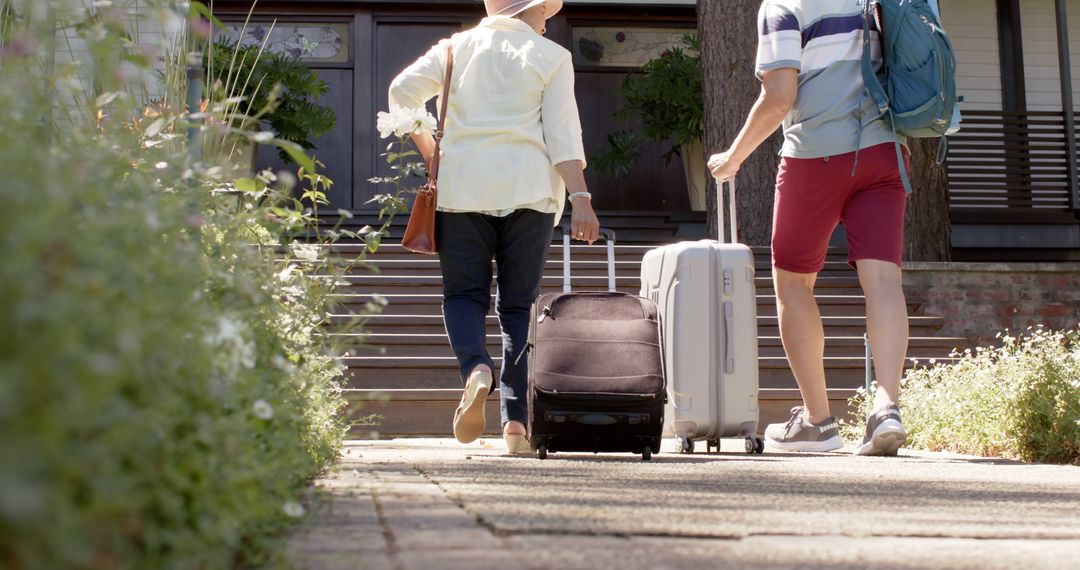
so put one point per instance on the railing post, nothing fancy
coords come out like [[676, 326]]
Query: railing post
[[194, 100], [1065, 72], [869, 363]]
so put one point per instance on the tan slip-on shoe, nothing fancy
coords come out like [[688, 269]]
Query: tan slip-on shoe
[[469, 420], [517, 444]]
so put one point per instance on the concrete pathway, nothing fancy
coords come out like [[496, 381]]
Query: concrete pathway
[[435, 504]]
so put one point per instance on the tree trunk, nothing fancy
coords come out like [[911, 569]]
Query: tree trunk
[[927, 230], [728, 32]]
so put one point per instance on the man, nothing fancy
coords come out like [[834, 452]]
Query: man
[[838, 165]]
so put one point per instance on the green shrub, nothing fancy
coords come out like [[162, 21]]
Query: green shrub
[[1020, 400], [166, 393], [275, 88]]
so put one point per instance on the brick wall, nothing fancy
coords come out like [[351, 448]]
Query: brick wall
[[978, 300]]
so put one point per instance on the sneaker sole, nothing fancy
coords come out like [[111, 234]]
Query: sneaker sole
[[831, 444], [887, 440], [470, 423]]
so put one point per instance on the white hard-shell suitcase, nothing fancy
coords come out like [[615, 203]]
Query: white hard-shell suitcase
[[705, 294]]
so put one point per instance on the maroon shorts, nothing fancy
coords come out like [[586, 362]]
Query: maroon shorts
[[813, 195]]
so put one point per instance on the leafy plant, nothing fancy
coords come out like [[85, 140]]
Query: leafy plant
[[167, 386], [274, 88], [404, 160], [1020, 400], [665, 96]]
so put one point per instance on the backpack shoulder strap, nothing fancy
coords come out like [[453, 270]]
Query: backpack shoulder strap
[[874, 88], [876, 91]]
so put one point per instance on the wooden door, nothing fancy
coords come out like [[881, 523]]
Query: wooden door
[[652, 184], [394, 41], [333, 149]]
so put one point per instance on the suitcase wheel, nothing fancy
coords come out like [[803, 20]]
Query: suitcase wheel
[[541, 452], [684, 444], [646, 453], [755, 444]]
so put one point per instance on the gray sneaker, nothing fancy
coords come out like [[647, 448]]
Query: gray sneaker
[[798, 434], [884, 433]]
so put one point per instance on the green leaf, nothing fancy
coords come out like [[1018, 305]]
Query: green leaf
[[247, 184], [106, 98], [155, 128], [295, 152], [199, 9]]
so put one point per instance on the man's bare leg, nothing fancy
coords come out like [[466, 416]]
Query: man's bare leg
[[887, 325], [804, 338]]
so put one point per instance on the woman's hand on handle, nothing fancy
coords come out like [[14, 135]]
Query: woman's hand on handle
[[584, 225]]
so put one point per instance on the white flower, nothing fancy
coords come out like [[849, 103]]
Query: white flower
[[286, 274], [401, 122], [293, 509], [246, 354], [262, 410], [305, 251], [228, 331]]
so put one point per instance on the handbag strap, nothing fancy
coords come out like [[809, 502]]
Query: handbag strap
[[433, 172]]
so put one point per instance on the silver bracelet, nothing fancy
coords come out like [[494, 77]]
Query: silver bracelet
[[585, 194]]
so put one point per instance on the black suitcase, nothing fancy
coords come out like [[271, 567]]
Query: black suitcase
[[596, 371]]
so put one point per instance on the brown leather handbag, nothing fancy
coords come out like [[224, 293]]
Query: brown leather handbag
[[420, 233]]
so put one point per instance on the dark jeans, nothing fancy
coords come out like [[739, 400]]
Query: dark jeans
[[519, 245]]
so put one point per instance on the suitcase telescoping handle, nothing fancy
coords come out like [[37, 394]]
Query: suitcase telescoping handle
[[734, 222], [605, 234]]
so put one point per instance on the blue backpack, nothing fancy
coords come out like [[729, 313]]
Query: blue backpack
[[916, 91]]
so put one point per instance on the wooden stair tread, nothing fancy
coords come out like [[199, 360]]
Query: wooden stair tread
[[419, 375], [403, 368]]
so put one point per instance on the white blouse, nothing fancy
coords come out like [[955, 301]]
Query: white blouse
[[512, 117]]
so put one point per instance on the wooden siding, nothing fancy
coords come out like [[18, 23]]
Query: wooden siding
[[972, 26], [1039, 27], [145, 23]]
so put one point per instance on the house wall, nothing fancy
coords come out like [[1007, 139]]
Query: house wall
[[1038, 26], [972, 27], [147, 25]]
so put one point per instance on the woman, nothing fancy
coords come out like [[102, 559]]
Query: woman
[[511, 153]]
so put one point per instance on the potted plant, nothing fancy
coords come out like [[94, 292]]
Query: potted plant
[[263, 89], [665, 96]]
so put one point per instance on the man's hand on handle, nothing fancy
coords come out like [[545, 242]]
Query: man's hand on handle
[[779, 89], [723, 166]]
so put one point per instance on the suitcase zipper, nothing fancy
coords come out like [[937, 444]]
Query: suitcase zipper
[[605, 397], [544, 314], [549, 310]]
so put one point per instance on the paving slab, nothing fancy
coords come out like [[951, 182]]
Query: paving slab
[[434, 503]]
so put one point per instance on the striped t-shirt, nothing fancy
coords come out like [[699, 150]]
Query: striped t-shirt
[[822, 39]]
